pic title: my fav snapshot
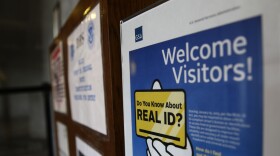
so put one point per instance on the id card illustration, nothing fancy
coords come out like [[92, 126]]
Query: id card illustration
[[199, 94]]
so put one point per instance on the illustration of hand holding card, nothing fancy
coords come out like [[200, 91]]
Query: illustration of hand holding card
[[161, 119]]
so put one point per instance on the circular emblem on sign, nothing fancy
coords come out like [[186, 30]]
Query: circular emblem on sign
[[72, 51], [90, 34]]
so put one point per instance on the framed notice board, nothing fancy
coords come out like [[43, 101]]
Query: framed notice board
[[197, 79], [91, 121]]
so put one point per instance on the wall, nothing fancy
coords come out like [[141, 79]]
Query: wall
[[26, 33]]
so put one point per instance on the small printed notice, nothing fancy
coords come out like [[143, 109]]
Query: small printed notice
[[62, 134], [57, 78], [83, 149], [85, 73]]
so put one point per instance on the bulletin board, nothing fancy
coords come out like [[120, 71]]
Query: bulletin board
[[91, 124]]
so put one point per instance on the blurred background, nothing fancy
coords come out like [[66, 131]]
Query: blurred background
[[26, 29]]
